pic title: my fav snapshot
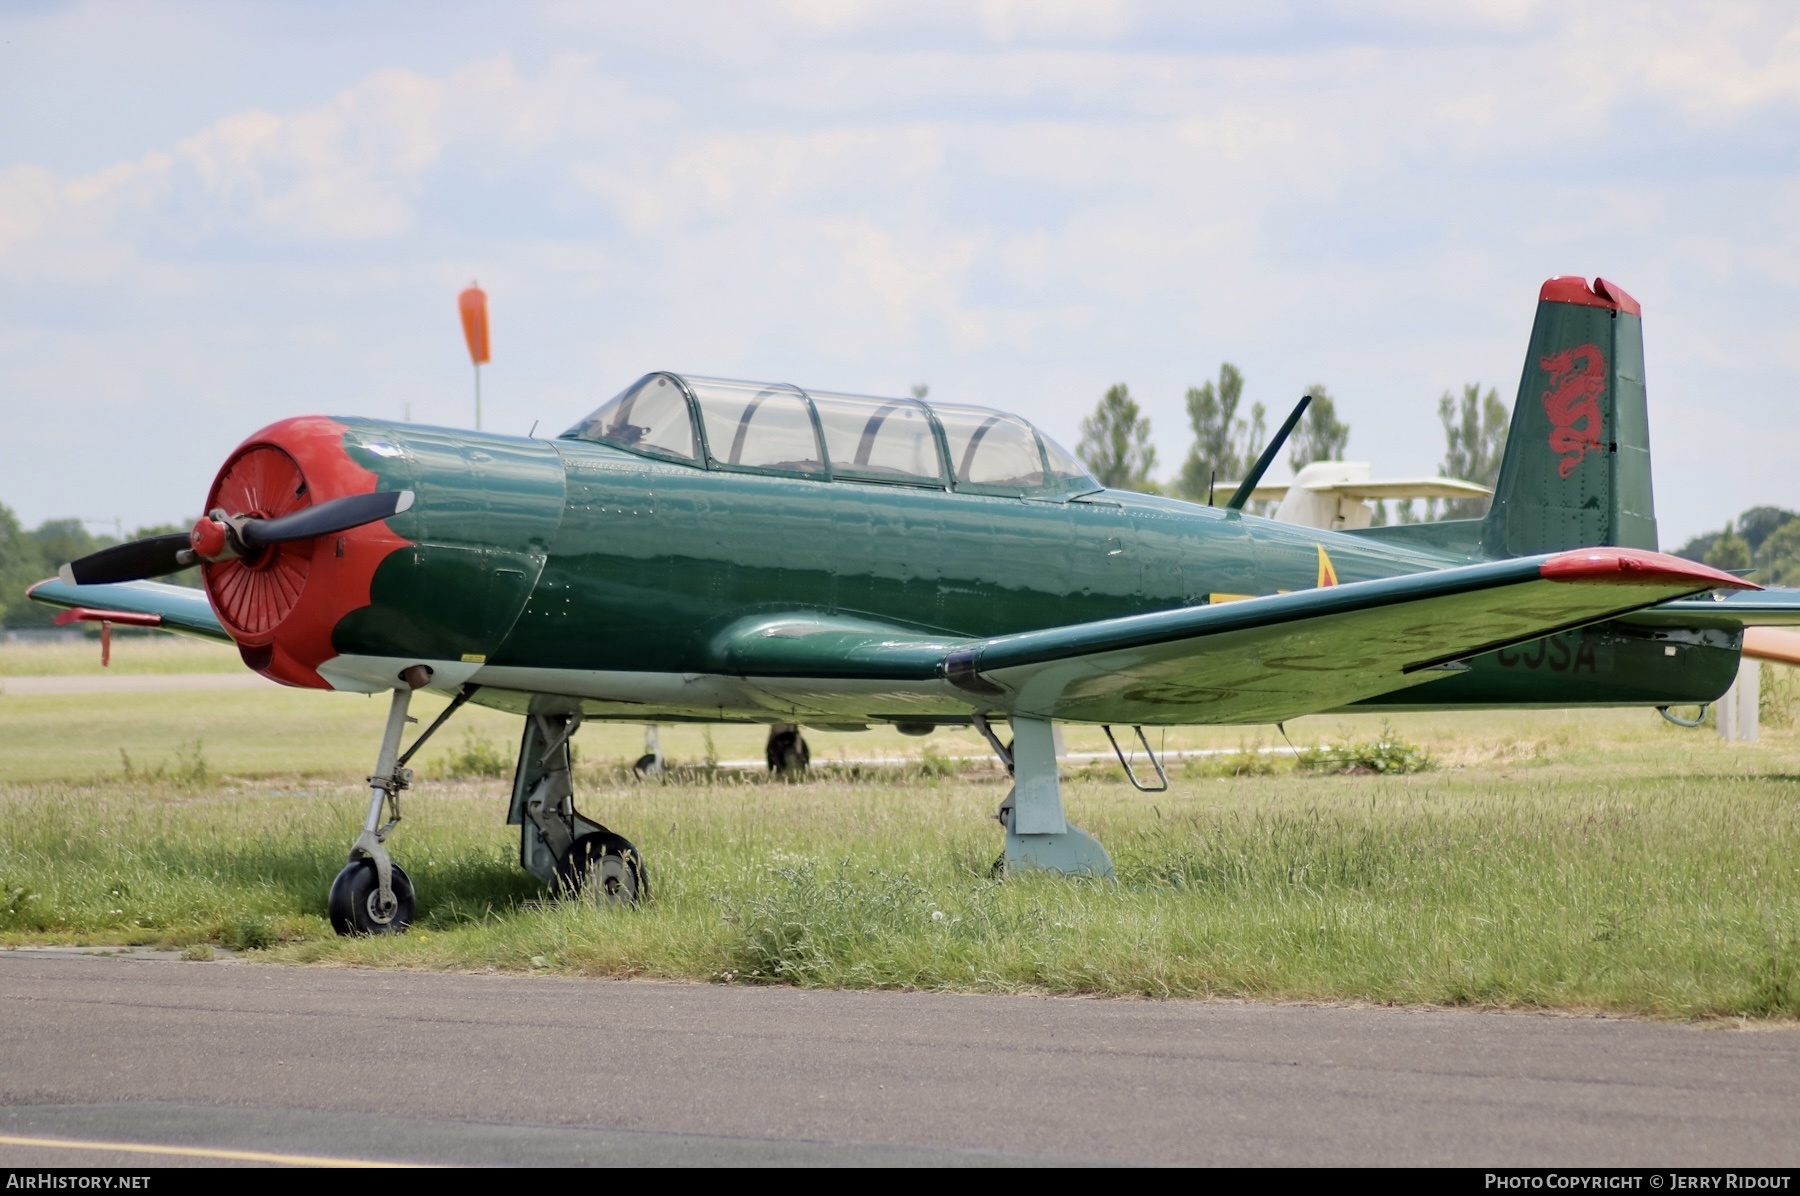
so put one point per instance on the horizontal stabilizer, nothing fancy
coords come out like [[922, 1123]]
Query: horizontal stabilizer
[[1760, 608]]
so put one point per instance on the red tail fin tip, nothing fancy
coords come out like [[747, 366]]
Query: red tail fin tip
[[1573, 288]]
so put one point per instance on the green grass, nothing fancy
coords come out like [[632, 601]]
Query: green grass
[[131, 653], [1598, 860], [313, 733]]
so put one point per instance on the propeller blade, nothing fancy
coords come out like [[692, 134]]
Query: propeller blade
[[130, 562], [338, 515], [160, 555]]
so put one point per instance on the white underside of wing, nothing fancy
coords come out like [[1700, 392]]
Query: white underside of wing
[[646, 696]]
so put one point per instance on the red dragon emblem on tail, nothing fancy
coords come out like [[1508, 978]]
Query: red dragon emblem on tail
[[1577, 380]]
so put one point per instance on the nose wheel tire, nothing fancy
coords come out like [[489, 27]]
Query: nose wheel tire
[[356, 907], [605, 866]]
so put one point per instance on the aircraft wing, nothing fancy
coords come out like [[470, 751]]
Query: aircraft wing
[[176, 608], [1406, 488], [1274, 658], [1258, 660], [1372, 490], [1263, 491]]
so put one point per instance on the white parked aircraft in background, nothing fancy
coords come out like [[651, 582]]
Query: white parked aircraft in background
[[1335, 495]]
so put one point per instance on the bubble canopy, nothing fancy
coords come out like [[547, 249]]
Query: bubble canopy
[[777, 428]]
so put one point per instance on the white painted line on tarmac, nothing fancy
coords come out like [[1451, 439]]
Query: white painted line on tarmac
[[199, 1152]]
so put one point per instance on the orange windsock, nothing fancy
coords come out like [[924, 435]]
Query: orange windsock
[[473, 305]]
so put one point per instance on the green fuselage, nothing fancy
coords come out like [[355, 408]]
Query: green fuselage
[[571, 570]]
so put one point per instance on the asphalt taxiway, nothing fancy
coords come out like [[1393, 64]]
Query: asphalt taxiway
[[145, 1061]]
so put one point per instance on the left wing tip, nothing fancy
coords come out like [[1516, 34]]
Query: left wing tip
[[1636, 567]]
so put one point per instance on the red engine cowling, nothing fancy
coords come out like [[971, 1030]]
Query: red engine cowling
[[281, 603]]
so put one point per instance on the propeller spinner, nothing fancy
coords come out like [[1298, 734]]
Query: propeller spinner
[[221, 537]]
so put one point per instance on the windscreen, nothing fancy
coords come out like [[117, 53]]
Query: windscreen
[[991, 450], [1066, 470], [650, 416]]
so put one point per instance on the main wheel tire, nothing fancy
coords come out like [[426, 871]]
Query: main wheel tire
[[356, 900], [605, 865], [787, 753]]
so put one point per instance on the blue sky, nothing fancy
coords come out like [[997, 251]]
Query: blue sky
[[213, 216]]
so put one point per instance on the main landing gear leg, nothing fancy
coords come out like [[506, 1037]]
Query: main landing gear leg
[[557, 843], [1038, 836], [372, 895]]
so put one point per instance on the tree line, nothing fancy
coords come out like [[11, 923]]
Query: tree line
[[1762, 544], [28, 557], [1116, 443]]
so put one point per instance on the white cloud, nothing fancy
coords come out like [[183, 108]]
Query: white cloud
[[1022, 202], [348, 169]]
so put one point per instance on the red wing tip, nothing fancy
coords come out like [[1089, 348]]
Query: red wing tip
[[1637, 567], [1573, 288]]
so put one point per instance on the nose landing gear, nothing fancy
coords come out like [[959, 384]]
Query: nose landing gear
[[373, 895], [358, 905], [365, 898]]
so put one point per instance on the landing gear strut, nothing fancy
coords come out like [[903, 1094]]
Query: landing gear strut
[[373, 895], [365, 898], [559, 845], [1038, 836]]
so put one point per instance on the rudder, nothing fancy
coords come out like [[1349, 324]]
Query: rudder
[[1576, 472]]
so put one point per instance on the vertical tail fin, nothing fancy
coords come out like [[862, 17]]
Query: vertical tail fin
[[1576, 472]]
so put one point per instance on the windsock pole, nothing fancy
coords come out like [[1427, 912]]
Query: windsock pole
[[472, 304]]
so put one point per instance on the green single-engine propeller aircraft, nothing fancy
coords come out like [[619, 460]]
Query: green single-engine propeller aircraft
[[721, 551]]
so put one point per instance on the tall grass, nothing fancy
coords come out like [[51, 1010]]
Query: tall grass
[[149, 652], [1661, 883]]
